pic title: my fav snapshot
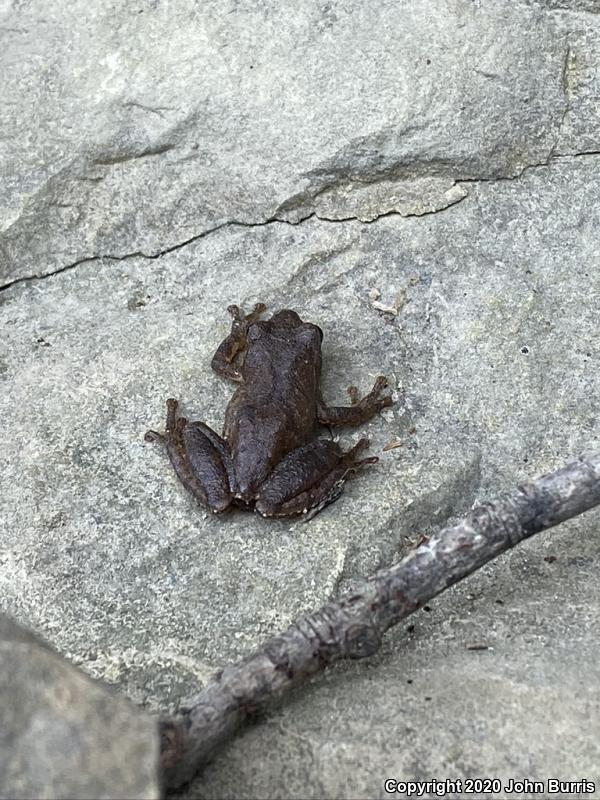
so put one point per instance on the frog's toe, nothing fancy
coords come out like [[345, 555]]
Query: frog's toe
[[354, 395], [380, 384], [153, 436], [373, 399], [239, 316]]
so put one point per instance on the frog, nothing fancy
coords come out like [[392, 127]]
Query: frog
[[267, 458]]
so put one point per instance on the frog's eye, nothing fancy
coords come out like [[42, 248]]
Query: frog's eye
[[254, 331], [320, 332]]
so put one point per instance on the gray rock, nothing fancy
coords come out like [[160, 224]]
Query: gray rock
[[463, 195], [494, 351], [138, 127], [581, 82], [63, 735]]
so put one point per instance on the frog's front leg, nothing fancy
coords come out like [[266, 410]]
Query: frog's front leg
[[200, 458], [223, 361], [361, 409], [308, 479]]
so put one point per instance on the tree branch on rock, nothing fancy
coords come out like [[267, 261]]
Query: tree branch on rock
[[353, 626]]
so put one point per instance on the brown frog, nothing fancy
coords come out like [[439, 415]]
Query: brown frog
[[267, 458]]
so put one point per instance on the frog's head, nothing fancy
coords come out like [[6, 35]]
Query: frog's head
[[286, 320]]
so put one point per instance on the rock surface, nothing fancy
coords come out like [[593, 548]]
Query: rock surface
[[154, 124], [439, 159], [64, 735]]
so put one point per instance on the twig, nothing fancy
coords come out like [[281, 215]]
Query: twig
[[353, 626]]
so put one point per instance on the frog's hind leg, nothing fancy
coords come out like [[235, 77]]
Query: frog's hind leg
[[338, 478], [308, 479], [223, 361], [199, 457]]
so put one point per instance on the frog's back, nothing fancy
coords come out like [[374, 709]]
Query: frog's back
[[274, 410], [283, 368]]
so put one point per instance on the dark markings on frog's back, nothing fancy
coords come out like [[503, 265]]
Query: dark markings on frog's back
[[267, 458]]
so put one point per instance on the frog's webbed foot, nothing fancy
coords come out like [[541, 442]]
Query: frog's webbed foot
[[200, 458], [239, 318], [223, 361], [309, 478], [361, 409], [155, 436]]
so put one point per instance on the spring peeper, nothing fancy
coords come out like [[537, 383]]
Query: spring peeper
[[267, 458]]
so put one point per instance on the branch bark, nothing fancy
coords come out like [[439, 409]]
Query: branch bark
[[353, 626]]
